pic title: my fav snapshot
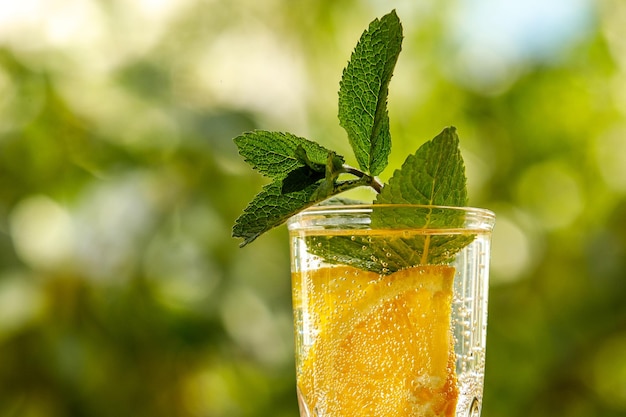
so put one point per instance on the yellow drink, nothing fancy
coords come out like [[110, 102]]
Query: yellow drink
[[379, 345], [390, 320]]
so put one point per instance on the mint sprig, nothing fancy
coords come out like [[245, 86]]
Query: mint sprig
[[295, 164], [304, 173]]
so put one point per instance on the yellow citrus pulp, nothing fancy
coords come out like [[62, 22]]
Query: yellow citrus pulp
[[376, 345]]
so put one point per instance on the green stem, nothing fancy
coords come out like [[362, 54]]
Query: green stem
[[365, 178]]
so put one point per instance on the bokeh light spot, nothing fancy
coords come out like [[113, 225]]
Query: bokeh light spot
[[551, 193], [42, 232], [20, 301], [251, 323], [610, 153], [510, 251], [609, 372]]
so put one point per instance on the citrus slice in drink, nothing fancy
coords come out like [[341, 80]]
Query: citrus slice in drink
[[377, 345]]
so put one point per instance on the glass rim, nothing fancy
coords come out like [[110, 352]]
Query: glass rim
[[483, 216]]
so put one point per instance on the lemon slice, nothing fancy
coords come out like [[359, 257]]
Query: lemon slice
[[380, 345]]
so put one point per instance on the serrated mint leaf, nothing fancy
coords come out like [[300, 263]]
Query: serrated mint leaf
[[386, 255], [343, 250], [270, 208], [363, 92], [274, 154], [403, 245], [300, 188], [434, 175]]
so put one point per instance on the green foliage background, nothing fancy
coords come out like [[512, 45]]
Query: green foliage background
[[121, 290]]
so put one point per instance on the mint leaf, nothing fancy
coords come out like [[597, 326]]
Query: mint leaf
[[270, 208], [292, 192], [388, 254], [275, 154], [363, 92], [434, 175], [402, 245]]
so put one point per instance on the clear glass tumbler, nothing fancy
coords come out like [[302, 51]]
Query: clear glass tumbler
[[390, 309]]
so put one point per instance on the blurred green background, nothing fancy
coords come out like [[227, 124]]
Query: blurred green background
[[121, 290]]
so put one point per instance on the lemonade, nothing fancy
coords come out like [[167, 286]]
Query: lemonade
[[385, 334]]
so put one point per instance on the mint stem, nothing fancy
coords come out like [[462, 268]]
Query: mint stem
[[366, 179]]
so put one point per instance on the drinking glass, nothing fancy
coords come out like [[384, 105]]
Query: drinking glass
[[390, 309]]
